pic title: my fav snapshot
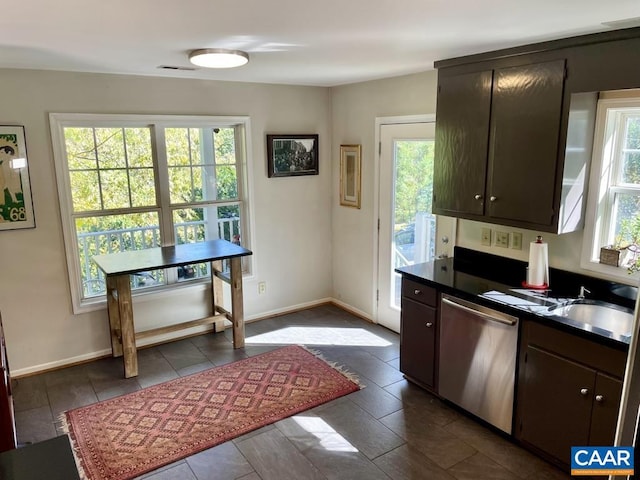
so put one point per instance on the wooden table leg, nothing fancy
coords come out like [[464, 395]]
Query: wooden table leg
[[114, 317], [125, 308], [237, 307], [216, 290]]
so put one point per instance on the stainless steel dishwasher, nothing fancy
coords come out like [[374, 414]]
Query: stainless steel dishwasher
[[478, 347]]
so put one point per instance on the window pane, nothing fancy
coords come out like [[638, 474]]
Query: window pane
[[225, 145], [115, 233], [192, 155], [143, 189], [625, 214], [110, 148], [207, 223], [227, 182], [100, 171], [139, 147], [85, 191], [181, 184], [115, 189], [630, 171], [80, 145]]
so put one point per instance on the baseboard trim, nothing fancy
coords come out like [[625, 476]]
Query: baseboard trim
[[152, 341]]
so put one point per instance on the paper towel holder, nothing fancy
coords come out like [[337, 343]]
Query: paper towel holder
[[545, 285]]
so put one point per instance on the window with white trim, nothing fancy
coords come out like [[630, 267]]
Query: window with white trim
[[130, 182], [613, 210]]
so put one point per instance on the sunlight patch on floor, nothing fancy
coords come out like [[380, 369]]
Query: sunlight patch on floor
[[320, 336], [329, 438]]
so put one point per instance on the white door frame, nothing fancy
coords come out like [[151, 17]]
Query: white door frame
[[379, 121]]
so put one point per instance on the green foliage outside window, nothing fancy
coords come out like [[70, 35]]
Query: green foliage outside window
[[414, 184]]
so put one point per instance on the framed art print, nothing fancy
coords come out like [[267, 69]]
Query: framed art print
[[16, 207], [292, 155]]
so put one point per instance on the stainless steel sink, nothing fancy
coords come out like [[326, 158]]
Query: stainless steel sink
[[593, 313]]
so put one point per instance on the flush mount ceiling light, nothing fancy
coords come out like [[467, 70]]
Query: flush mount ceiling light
[[218, 58]]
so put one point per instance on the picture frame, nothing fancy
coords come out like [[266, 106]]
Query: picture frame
[[16, 204], [292, 155], [350, 175]]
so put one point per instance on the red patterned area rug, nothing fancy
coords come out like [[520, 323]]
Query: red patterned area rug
[[127, 436]]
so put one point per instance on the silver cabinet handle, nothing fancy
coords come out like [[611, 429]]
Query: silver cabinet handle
[[430, 324], [599, 398], [477, 196], [493, 199], [584, 391], [417, 292]]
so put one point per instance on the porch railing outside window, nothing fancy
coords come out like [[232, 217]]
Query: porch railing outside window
[[93, 280]]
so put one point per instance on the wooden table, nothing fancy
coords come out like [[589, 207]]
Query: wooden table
[[118, 266]]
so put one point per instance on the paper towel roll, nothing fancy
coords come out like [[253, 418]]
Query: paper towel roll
[[538, 271]]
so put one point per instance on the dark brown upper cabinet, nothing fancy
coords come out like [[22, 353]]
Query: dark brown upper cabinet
[[516, 125], [523, 143], [462, 139], [498, 146]]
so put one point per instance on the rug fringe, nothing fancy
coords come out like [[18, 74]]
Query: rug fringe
[[336, 366], [63, 423]]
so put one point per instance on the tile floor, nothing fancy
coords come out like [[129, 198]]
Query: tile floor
[[389, 430]]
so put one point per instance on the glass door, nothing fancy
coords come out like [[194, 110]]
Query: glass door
[[408, 231]]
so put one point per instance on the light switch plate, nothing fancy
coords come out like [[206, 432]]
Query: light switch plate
[[485, 239], [516, 240], [502, 239]]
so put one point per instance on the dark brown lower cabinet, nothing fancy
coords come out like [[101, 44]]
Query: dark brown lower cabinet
[[418, 342], [563, 400]]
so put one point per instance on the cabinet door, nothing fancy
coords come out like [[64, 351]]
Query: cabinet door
[[555, 410], [605, 410], [523, 150], [7, 421], [462, 132], [418, 342]]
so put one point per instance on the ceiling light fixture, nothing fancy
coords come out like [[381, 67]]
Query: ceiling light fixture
[[218, 58]]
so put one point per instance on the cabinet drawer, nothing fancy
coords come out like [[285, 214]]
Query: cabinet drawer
[[419, 292], [578, 349]]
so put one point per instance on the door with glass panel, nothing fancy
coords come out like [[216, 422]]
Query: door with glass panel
[[408, 232]]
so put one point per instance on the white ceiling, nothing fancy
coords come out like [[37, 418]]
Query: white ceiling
[[301, 42]]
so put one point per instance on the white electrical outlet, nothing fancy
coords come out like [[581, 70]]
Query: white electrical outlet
[[516, 240], [502, 239], [485, 238], [262, 288]]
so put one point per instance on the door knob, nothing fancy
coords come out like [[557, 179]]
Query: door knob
[[477, 196], [493, 199], [430, 324], [417, 292], [584, 391], [599, 398]]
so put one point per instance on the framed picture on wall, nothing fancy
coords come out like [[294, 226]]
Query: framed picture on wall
[[16, 207], [350, 165], [292, 155]]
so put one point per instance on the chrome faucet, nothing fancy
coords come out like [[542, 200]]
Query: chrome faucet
[[582, 292]]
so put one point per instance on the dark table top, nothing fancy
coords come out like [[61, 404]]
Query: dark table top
[[51, 459], [135, 261]]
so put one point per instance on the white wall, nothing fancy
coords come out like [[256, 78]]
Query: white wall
[[292, 216], [355, 108]]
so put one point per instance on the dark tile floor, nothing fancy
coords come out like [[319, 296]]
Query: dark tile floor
[[390, 429]]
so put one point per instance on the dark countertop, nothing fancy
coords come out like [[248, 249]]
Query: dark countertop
[[493, 282]]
